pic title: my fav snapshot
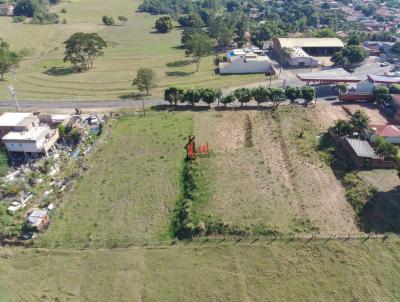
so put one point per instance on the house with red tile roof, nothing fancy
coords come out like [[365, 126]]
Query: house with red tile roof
[[391, 133]]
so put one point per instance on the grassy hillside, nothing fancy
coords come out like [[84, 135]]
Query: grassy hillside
[[43, 75], [336, 271]]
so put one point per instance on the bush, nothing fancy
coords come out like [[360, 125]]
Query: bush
[[164, 24], [394, 89], [19, 19], [107, 20], [45, 18], [357, 192], [63, 11]]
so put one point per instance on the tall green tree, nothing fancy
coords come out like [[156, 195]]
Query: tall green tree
[[209, 96], [145, 79], [260, 95], [230, 98], [81, 49], [8, 59], [164, 24], [173, 95], [29, 8], [199, 45], [192, 96], [308, 93], [293, 93], [222, 29], [276, 96], [243, 95], [361, 122]]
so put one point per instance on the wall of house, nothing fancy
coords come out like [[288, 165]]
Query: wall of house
[[239, 66], [28, 147], [303, 61]]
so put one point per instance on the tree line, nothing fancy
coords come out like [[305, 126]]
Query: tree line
[[274, 95]]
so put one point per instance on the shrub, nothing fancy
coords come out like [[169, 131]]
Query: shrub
[[107, 20], [19, 19], [164, 24], [342, 128], [394, 89], [63, 11], [357, 192]]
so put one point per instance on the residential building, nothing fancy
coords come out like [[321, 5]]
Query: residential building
[[36, 140], [247, 60], [17, 121], [364, 156], [389, 132]]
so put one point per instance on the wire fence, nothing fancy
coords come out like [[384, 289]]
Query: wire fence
[[208, 241]]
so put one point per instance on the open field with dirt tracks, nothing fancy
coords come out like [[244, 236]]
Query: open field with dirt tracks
[[264, 173], [42, 75], [261, 177], [265, 177], [281, 271]]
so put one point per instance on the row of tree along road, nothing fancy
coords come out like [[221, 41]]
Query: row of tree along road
[[274, 95]]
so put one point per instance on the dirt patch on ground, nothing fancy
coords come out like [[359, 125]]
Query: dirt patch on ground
[[328, 113], [271, 184]]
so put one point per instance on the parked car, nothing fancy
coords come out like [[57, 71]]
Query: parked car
[[384, 64]]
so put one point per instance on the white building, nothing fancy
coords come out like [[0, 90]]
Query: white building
[[38, 139], [17, 121], [247, 60], [299, 58]]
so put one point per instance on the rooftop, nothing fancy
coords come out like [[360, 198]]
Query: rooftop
[[30, 135], [362, 148], [12, 119], [387, 130], [383, 79], [335, 75], [310, 42]]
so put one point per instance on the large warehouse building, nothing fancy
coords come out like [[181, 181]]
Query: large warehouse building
[[301, 52]]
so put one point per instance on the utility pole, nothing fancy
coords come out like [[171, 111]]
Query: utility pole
[[14, 95]]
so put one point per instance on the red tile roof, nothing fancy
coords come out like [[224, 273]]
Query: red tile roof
[[387, 130]]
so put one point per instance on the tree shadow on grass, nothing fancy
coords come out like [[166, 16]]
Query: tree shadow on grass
[[179, 63], [178, 108], [132, 96], [61, 71], [178, 73], [381, 213]]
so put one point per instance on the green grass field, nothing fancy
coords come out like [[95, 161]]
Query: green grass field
[[263, 177], [336, 271], [130, 186], [43, 75]]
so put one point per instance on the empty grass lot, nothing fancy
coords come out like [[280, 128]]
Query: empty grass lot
[[264, 177], [336, 271], [130, 186], [43, 75]]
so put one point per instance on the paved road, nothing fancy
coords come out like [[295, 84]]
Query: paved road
[[287, 77], [105, 104]]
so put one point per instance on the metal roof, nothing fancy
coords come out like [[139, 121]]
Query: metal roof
[[383, 79], [334, 75], [310, 42], [12, 119], [362, 148], [32, 134]]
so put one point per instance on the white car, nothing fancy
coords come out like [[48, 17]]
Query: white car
[[384, 64]]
